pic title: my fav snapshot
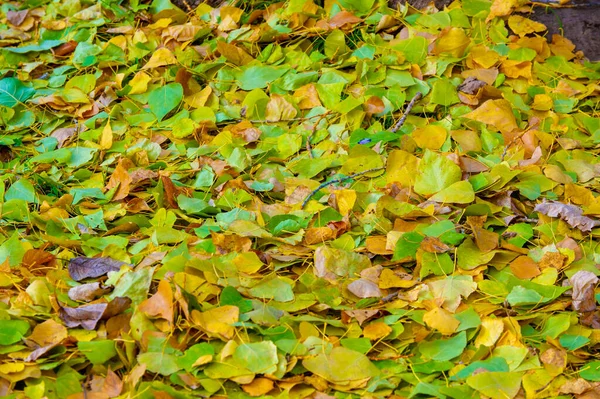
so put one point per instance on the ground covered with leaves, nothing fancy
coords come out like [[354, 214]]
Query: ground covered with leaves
[[240, 202]]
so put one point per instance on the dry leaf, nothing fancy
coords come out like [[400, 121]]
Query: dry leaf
[[81, 267], [571, 214]]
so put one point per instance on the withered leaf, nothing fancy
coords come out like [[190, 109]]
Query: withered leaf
[[86, 292], [88, 316], [572, 214], [81, 267], [584, 296], [471, 85]]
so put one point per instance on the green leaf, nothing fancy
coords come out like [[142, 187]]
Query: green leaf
[[573, 342], [278, 289], [436, 172], [41, 46], [11, 331], [21, 189], [258, 76], [591, 371], [133, 285], [200, 353], [13, 92], [444, 93], [164, 99], [496, 384], [458, 193], [443, 349], [341, 365], [159, 362], [258, 357], [98, 352]]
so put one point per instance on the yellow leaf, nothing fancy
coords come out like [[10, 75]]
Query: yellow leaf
[[542, 102], [278, 108], [217, 322], [482, 57], [345, 200], [497, 113], [401, 168], [139, 83], [160, 57], [491, 329], [441, 320], [430, 136], [9, 368], [377, 330], [516, 69], [307, 97], [247, 262], [389, 279], [452, 41], [501, 8], [106, 139], [258, 387], [523, 26], [198, 99], [460, 192]]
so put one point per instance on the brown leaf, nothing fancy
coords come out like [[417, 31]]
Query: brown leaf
[[524, 267], [471, 85], [434, 245], [16, 18], [86, 316], [584, 284], [577, 386], [361, 315], [316, 235], [171, 192], [160, 305], [63, 134], [121, 180], [65, 48], [81, 267], [35, 259], [343, 18], [571, 214], [570, 243], [86, 292], [44, 337], [364, 288], [374, 105], [111, 385], [47, 333]]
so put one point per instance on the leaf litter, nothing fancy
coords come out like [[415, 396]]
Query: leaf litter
[[296, 200]]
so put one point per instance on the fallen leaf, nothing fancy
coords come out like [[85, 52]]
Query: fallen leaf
[[571, 214], [81, 267]]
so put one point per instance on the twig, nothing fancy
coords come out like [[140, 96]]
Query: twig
[[338, 180], [409, 107]]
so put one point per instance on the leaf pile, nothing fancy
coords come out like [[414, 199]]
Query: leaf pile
[[153, 237]]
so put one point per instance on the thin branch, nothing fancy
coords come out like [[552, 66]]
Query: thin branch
[[338, 180], [409, 107]]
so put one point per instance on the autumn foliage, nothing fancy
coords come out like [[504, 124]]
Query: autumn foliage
[[239, 202]]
